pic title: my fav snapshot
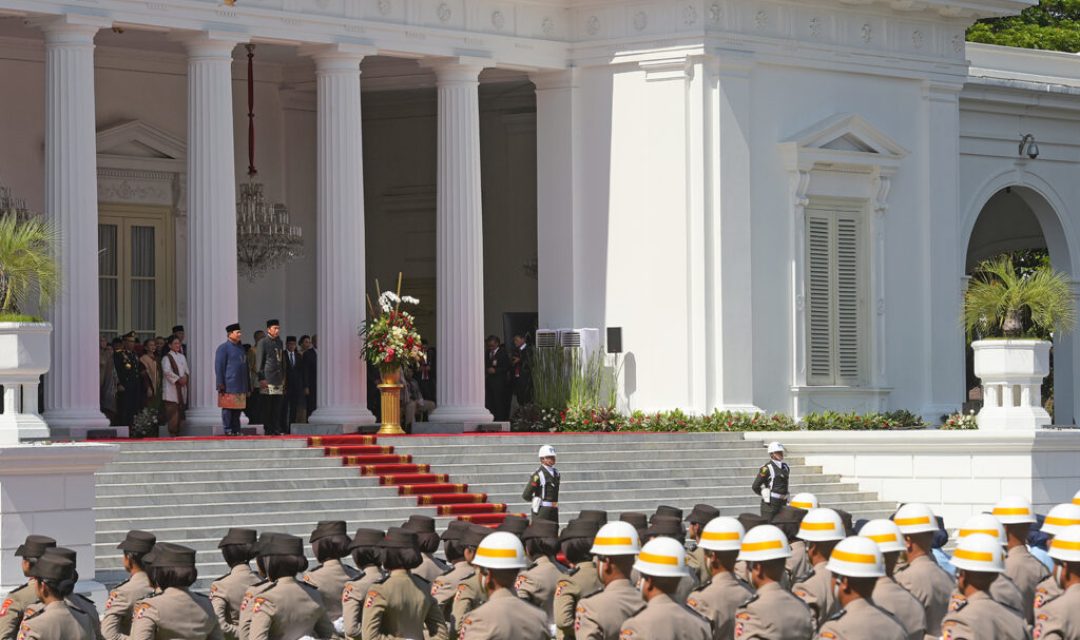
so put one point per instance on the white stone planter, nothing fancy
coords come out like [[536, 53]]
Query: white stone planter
[[24, 357], [1012, 372]]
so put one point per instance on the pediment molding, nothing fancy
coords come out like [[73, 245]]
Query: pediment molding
[[843, 142], [137, 144]]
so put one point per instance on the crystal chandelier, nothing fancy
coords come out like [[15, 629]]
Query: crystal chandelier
[[264, 237]]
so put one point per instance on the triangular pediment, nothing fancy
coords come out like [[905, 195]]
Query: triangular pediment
[[137, 139], [849, 133]]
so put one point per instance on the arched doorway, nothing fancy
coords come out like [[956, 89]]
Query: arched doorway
[[1020, 219]]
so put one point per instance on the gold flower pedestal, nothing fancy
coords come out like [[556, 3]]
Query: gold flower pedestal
[[390, 390]]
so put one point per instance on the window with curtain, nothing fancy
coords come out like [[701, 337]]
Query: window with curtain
[[132, 279]]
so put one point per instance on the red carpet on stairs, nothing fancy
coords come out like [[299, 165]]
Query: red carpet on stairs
[[412, 479]]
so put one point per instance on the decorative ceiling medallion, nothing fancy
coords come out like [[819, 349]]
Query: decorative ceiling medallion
[[640, 20], [444, 12], [592, 25], [714, 13], [498, 20], [867, 33]]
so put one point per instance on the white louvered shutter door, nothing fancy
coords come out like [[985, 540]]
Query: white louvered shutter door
[[819, 243], [848, 296]]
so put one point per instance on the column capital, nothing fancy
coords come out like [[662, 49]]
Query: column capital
[[457, 69], [209, 44], [561, 79], [72, 29], [338, 56]]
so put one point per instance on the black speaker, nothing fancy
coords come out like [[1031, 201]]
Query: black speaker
[[614, 339]]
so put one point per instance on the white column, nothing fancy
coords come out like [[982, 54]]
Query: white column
[[340, 276], [211, 218], [459, 310], [73, 386]]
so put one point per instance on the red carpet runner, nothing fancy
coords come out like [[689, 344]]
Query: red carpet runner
[[410, 478]]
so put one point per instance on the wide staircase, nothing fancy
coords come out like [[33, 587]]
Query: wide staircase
[[190, 491]]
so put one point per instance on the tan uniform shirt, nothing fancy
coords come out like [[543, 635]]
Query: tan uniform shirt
[[13, 606], [289, 609], [798, 565], [1060, 619], [698, 564], [504, 617], [665, 619], [930, 585], [402, 607], [330, 579], [445, 586], [816, 590], [717, 601], [903, 606], [430, 568], [1027, 572], [226, 595], [980, 617], [1003, 591], [82, 608], [537, 585], [470, 595], [116, 622], [861, 620], [244, 624], [1047, 591], [581, 580], [54, 622], [774, 613], [352, 600], [175, 614], [600, 616]]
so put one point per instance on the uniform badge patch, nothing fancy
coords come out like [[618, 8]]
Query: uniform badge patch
[[563, 584], [4, 607], [370, 599], [258, 605], [520, 581], [738, 629], [829, 635], [626, 633], [692, 603]]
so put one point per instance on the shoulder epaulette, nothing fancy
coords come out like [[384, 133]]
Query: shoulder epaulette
[[18, 589], [753, 597], [697, 614], [421, 578], [573, 571], [806, 576], [383, 578], [706, 584], [639, 610], [591, 594], [198, 595], [839, 614], [448, 571], [532, 566]]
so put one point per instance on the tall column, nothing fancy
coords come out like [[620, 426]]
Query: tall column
[[459, 315], [72, 396], [211, 218], [340, 275]]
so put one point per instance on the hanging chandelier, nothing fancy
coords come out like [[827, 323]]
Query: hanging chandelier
[[265, 239]]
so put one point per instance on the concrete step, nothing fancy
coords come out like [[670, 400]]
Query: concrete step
[[135, 489], [179, 455], [535, 440], [176, 474], [586, 457], [199, 465]]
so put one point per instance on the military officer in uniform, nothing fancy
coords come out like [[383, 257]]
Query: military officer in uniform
[[330, 543], [1024, 569], [790, 517], [128, 381], [401, 605], [923, 577], [83, 607], [576, 540], [700, 516], [176, 613], [424, 527], [979, 560], [367, 555], [888, 595], [821, 529], [504, 616], [662, 564], [538, 582], [670, 526], [856, 564], [288, 608], [1060, 517], [227, 592], [1003, 589], [244, 624], [771, 481], [119, 608], [543, 488], [54, 579], [459, 556], [270, 370], [469, 593], [722, 592], [599, 616], [772, 613], [20, 599], [1060, 619]]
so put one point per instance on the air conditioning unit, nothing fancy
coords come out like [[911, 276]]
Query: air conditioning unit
[[547, 338], [588, 340]]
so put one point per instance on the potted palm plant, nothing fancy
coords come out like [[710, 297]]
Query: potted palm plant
[[1015, 313], [29, 277]]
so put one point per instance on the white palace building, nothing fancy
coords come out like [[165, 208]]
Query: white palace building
[[777, 201]]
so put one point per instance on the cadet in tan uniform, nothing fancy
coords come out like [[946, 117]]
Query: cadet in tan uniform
[[922, 577], [401, 605], [662, 564], [856, 564], [54, 580], [639, 521], [722, 592], [289, 608], [537, 583], [1003, 589], [1060, 517], [979, 560], [424, 527], [1060, 619], [576, 540], [599, 616], [514, 524], [821, 529], [244, 624], [116, 621], [330, 543], [504, 616], [19, 600], [227, 592], [888, 595], [83, 607], [670, 526], [788, 519], [700, 515], [772, 613], [1024, 569], [367, 555], [176, 613]]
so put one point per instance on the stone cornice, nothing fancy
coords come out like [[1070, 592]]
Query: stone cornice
[[59, 459]]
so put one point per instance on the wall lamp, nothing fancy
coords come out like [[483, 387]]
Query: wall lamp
[[1032, 147]]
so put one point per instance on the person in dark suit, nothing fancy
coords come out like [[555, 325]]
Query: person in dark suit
[[311, 371], [231, 372], [497, 380], [425, 374], [129, 381], [294, 381], [521, 361]]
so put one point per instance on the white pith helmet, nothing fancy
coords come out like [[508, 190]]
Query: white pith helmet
[[885, 533], [804, 501], [500, 550], [857, 557], [764, 542], [915, 518], [547, 451], [979, 552], [616, 538], [1066, 545], [1014, 510], [776, 447], [985, 524], [662, 557], [821, 525], [722, 534], [1061, 516]]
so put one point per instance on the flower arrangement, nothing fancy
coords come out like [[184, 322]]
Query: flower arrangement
[[144, 424], [390, 337], [960, 421]]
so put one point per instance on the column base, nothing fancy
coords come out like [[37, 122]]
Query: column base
[[461, 414], [76, 418], [347, 417], [208, 417]]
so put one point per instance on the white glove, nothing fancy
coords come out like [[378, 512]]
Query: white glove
[[339, 625], [536, 505], [766, 494], [554, 631]]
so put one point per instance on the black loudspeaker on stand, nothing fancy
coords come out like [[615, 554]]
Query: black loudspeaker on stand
[[614, 339]]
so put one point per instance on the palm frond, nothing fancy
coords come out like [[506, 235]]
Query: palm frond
[[28, 268], [1041, 297]]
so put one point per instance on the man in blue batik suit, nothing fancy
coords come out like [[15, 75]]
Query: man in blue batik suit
[[230, 367]]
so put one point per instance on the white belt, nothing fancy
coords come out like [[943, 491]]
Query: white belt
[[545, 503], [779, 495]]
